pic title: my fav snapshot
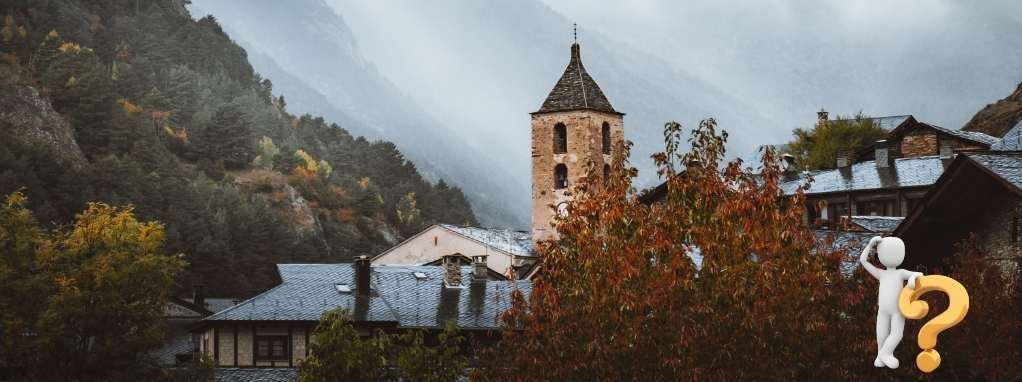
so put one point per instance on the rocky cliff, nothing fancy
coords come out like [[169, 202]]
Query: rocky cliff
[[999, 117], [29, 120]]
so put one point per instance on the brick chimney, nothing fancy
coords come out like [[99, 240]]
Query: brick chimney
[[821, 117], [843, 159], [362, 271], [480, 273], [452, 271], [883, 154]]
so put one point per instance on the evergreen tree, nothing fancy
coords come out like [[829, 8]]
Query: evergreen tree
[[227, 138]]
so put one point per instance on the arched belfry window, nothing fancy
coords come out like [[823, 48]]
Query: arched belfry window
[[606, 171], [606, 138], [561, 176], [560, 138]]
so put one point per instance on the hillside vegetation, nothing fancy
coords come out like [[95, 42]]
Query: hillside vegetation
[[134, 102]]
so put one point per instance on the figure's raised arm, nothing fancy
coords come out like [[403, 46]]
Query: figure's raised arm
[[864, 257]]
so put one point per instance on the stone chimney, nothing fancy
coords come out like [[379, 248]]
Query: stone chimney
[[480, 273], [821, 117], [883, 154], [198, 297], [946, 150], [362, 271], [452, 271], [843, 159], [790, 172]]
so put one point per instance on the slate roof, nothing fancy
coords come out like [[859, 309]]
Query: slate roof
[[904, 172], [881, 224], [851, 242], [576, 90], [1012, 140], [307, 290], [974, 136], [1007, 165], [233, 374], [517, 243]]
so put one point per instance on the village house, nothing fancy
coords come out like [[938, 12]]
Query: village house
[[509, 253], [272, 330], [979, 195], [890, 177]]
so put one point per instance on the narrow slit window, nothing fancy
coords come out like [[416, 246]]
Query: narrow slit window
[[606, 138], [560, 138]]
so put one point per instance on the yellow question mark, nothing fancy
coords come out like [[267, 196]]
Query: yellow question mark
[[913, 308]]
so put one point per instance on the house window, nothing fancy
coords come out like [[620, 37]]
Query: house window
[[606, 138], [561, 176], [271, 348], [875, 208], [560, 138]]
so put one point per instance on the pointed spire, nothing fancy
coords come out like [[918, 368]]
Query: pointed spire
[[576, 90]]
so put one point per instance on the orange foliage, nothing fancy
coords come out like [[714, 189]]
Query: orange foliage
[[346, 215], [620, 298]]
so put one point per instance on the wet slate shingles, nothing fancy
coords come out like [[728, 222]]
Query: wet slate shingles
[[1012, 140], [851, 242], [231, 374], [904, 172], [398, 296], [576, 90], [881, 224], [518, 243], [974, 136]]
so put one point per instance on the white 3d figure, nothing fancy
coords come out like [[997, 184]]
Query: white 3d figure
[[890, 322]]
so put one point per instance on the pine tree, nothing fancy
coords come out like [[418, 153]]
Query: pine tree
[[227, 137]]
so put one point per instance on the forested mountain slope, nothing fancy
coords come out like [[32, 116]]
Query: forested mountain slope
[[134, 102], [306, 46]]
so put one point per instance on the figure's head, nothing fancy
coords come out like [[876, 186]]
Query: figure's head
[[891, 252]]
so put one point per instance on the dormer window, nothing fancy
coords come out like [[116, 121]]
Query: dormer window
[[560, 138], [343, 288]]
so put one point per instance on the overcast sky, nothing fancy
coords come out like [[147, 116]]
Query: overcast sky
[[940, 60]]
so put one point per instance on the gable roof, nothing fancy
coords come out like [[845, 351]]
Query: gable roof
[[1012, 140], [397, 297], [904, 172], [972, 136], [1004, 166], [576, 90], [518, 243]]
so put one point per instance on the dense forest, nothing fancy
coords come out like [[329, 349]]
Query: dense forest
[[132, 102]]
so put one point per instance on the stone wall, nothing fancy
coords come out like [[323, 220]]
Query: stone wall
[[584, 128], [918, 143], [994, 233]]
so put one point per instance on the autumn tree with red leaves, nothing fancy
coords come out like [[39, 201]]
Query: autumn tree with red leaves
[[620, 297]]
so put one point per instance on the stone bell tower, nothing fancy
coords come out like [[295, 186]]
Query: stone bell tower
[[575, 125]]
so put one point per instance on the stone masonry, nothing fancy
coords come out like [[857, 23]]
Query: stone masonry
[[584, 138]]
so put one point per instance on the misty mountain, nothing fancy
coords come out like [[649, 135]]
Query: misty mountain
[[486, 65], [307, 49]]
